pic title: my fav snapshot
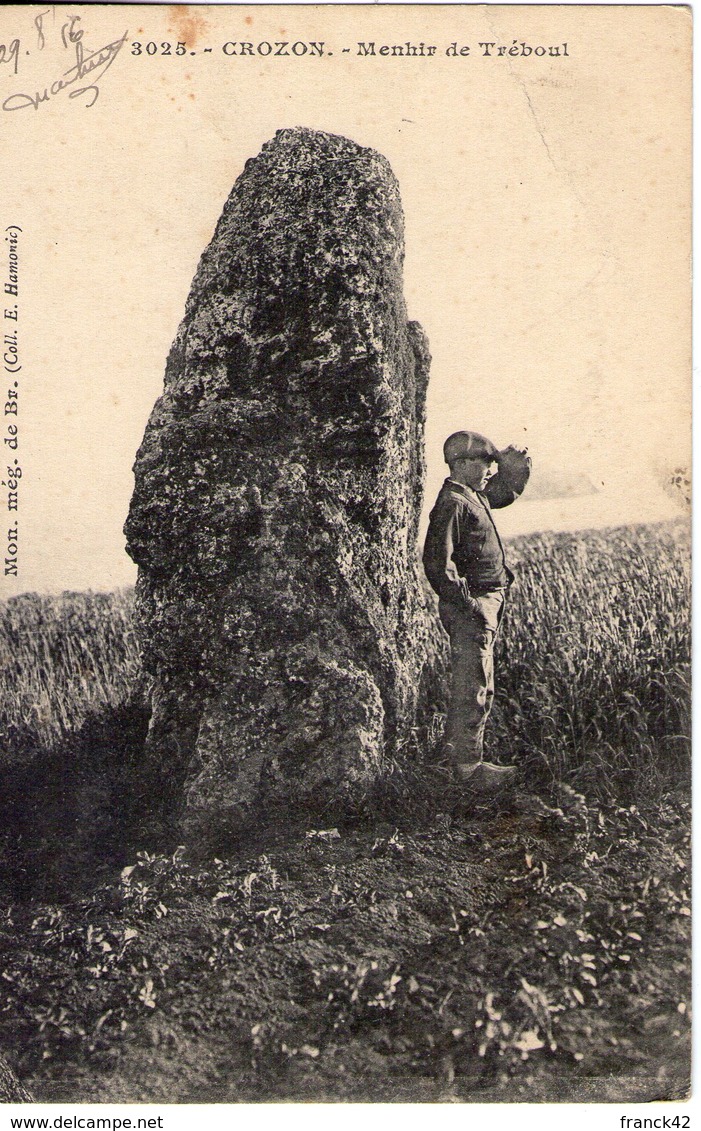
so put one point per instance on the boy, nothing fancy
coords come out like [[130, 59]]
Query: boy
[[465, 564]]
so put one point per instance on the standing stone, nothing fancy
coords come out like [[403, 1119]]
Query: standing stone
[[278, 490], [11, 1090]]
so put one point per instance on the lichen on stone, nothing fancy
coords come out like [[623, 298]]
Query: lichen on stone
[[277, 495]]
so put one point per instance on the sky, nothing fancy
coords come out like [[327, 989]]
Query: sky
[[547, 209]]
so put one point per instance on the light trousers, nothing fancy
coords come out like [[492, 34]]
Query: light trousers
[[472, 635]]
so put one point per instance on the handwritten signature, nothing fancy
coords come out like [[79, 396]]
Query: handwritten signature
[[87, 63]]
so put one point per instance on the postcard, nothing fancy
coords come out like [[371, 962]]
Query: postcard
[[346, 554]]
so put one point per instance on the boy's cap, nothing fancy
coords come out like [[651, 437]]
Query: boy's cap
[[469, 445]]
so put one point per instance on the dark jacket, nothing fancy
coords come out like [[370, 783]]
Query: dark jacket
[[463, 554]]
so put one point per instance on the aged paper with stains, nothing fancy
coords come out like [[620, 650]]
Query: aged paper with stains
[[543, 158], [547, 220]]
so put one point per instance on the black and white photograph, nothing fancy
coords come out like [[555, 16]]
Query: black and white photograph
[[345, 613]]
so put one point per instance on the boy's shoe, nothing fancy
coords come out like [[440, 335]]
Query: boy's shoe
[[485, 777]]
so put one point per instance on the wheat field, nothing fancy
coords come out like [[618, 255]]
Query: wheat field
[[594, 663]]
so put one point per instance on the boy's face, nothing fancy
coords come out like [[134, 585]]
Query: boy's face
[[476, 473]]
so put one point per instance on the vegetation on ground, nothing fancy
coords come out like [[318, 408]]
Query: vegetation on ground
[[64, 659], [595, 672]]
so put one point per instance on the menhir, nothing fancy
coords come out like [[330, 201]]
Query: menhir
[[278, 491]]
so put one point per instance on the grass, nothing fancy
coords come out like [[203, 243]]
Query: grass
[[419, 949], [594, 665], [62, 660]]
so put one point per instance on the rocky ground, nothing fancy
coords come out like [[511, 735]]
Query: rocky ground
[[519, 950]]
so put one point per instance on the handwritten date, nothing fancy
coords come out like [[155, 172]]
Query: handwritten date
[[9, 53], [87, 63]]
